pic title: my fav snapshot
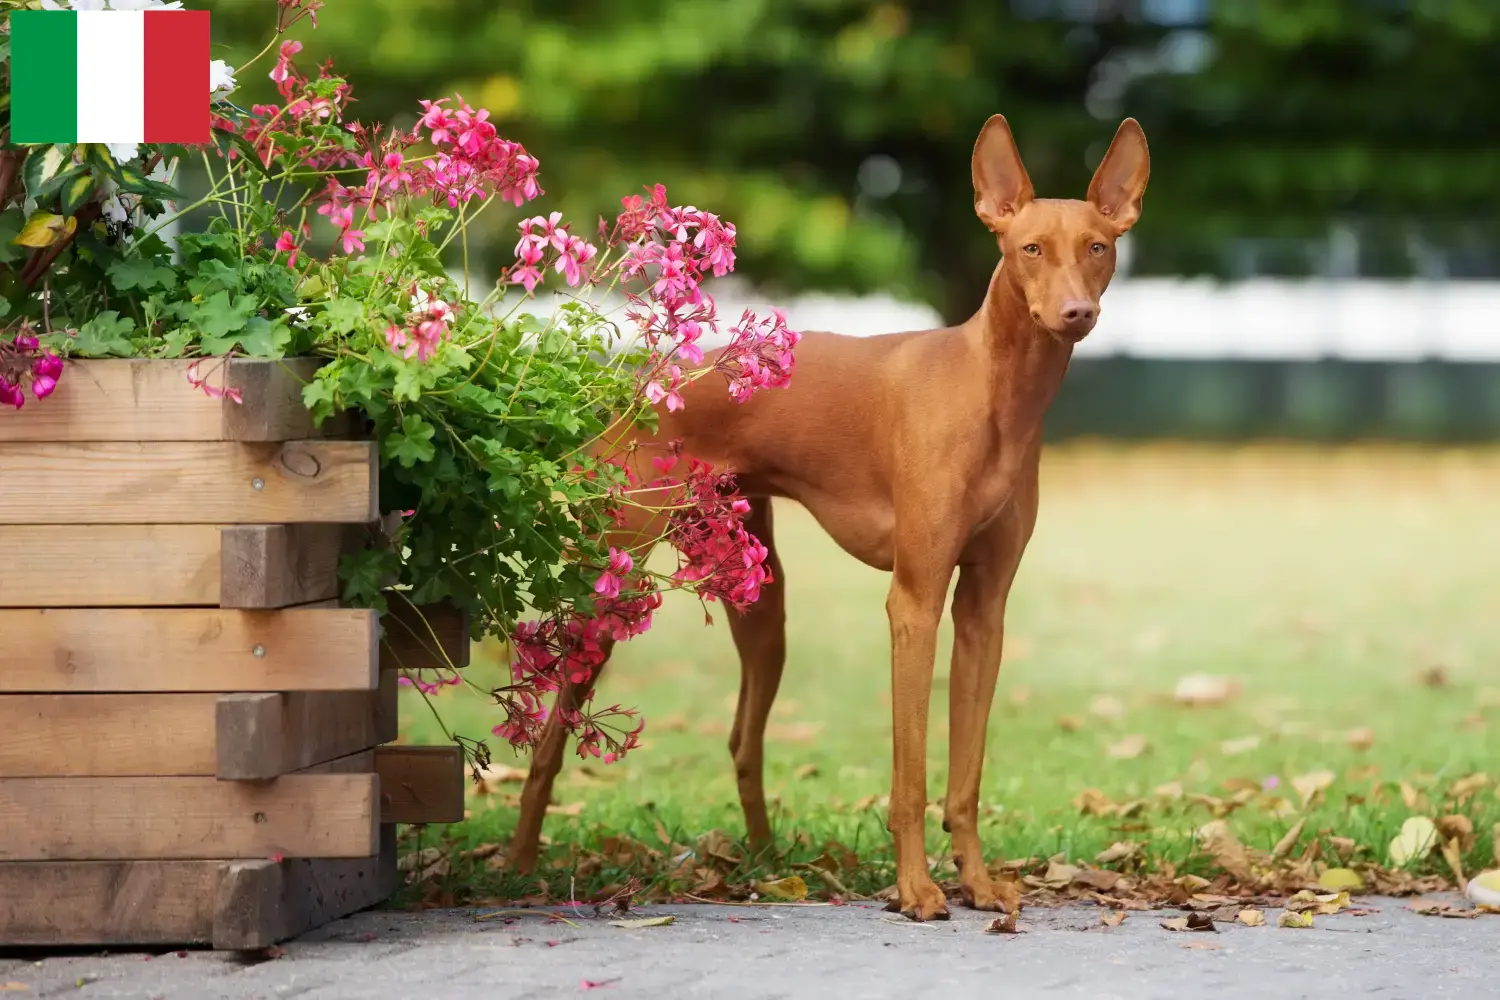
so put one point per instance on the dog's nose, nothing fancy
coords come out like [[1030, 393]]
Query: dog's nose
[[1078, 312]]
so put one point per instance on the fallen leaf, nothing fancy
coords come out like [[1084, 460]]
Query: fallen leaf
[[1092, 802], [1251, 917], [1290, 918], [571, 809], [1112, 918], [1191, 922], [805, 771], [716, 845], [1432, 908], [1484, 889], [1311, 785], [1226, 850], [1344, 847], [1235, 747], [1341, 880], [1107, 706], [1464, 788], [1069, 723], [1324, 904], [1002, 925], [1019, 696], [793, 732], [1119, 852], [1453, 855], [1098, 879], [1415, 800], [1204, 689], [1288, 843], [1170, 790], [787, 890], [1059, 874], [636, 924], [1129, 748], [1416, 840], [1457, 827], [1434, 676]]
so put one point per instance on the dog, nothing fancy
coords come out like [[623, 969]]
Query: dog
[[918, 453]]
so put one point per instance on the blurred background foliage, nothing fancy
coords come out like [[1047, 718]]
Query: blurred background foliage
[[836, 133]]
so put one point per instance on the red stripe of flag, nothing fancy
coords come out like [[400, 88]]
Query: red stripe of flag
[[177, 76]]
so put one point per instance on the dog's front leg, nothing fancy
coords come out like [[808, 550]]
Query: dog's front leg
[[915, 604]]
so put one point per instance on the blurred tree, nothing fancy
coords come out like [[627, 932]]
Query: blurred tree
[[836, 133]]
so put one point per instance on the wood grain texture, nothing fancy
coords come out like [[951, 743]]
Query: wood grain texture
[[152, 400], [279, 565], [424, 637], [260, 736], [188, 649], [420, 784], [131, 482], [60, 735], [107, 902], [114, 565], [117, 819]]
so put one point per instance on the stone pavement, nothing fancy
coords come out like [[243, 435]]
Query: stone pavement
[[827, 953]]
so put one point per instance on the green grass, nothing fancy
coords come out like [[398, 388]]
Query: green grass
[[1327, 581]]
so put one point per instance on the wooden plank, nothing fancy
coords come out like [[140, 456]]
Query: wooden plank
[[420, 784], [278, 565], [58, 735], [131, 482], [152, 400], [261, 736], [424, 637], [114, 565], [107, 902], [187, 649], [116, 819]]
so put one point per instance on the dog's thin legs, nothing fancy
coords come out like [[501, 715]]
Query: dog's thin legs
[[984, 582], [760, 636], [546, 761]]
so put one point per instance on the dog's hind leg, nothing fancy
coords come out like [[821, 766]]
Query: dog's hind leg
[[760, 636], [546, 762]]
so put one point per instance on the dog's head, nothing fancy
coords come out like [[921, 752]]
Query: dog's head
[[1059, 253]]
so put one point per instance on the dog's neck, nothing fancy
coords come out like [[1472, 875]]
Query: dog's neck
[[1026, 361]]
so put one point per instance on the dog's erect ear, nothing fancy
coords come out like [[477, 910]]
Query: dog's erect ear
[[1121, 178], [1001, 187]]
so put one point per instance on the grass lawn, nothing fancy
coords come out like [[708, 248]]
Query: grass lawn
[[1350, 592]]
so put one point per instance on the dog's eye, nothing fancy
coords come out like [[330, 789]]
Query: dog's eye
[[1097, 248], [1032, 250]]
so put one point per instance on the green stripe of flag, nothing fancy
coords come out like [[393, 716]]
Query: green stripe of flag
[[43, 76]]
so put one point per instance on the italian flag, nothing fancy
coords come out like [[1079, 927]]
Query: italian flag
[[109, 76]]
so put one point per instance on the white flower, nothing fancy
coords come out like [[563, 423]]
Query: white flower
[[220, 79], [124, 152]]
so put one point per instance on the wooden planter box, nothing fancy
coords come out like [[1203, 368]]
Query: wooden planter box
[[190, 724]]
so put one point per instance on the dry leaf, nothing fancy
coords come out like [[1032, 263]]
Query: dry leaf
[[1129, 748], [1069, 723], [1251, 917], [1324, 904], [1092, 802], [1415, 800], [1059, 874], [1191, 922], [1098, 879], [715, 845], [637, 924], [571, 809], [1119, 852], [1235, 747], [1464, 788], [1360, 739], [1020, 696], [793, 732], [1416, 840], [1107, 706], [1002, 925], [805, 771], [1170, 790], [1290, 918], [786, 890], [1112, 918], [1341, 880], [1434, 676], [1309, 786], [1287, 843], [1204, 689], [1484, 889], [1226, 850], [1459, 828], [1431, 908]]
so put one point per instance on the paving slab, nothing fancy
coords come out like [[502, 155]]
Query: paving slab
[[822, 952]]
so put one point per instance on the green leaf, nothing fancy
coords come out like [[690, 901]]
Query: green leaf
[[265, 338], [411, 444], [219, 317], [343, 315], [11, 221], [141, 272], [134, 181], [106, 335], [45, 163], [213, 275], [319, 397], [78, 191]]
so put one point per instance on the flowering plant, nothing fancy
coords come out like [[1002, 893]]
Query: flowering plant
[[326, 236]]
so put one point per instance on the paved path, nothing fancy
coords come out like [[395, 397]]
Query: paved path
[[827, 953]]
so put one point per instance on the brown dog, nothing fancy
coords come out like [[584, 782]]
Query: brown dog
[[918, 453]]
